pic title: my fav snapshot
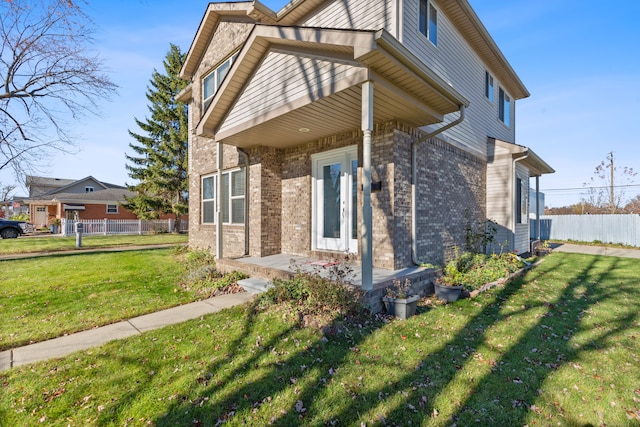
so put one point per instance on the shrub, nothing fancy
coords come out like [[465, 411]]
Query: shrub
[[203, 278], [308, 293], [474, 270], [21, 217]]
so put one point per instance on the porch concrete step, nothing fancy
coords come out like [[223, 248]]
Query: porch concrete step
[[255, 285]]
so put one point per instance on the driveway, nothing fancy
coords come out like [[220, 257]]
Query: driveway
[[595, 250]]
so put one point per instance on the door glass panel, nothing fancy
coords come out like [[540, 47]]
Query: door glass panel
[[354, 199], [331, 200]]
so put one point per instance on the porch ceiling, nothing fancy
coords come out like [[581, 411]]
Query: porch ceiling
[[404, 89]]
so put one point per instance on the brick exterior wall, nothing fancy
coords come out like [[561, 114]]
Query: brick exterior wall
[[451, 185], [450, 194], [202, 151]]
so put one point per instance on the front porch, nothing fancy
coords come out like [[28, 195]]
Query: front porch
[[284, 266]]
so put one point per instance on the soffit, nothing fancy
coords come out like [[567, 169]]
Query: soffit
[[536, 165], [404, 89]]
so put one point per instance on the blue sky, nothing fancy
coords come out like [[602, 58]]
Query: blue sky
[[578, 58]]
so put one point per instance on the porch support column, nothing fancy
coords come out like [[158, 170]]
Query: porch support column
[[219, 238], [537, 207], [366, 244]]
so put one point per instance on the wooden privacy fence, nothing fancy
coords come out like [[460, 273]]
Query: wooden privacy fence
[[123, 226], [623, 229]]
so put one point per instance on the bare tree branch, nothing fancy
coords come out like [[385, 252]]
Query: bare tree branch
[[48, 76]]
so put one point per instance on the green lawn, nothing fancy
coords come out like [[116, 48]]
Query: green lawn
[[559, 347], [23, 245], [42, 298]]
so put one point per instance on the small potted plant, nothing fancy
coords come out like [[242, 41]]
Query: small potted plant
[[543, 249], [448, 287], [54, 225], [400, 300]]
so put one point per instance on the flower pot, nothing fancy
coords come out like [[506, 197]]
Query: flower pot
[[401, 307], [448, 293]]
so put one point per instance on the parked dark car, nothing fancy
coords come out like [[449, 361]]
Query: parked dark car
[[12, 229]]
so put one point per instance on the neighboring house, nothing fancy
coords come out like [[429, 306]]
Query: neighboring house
[[85, 198], [379, 127]]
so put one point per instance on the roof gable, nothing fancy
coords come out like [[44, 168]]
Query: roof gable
[[460, 12]]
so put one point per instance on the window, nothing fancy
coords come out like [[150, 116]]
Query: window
[[429, 21], [208, 200], [504, 107], [488, 86], [88, 189], [212, 81], [112, 209], [522, 206], [232, 198]]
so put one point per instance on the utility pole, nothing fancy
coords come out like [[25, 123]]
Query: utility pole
[[611, 191]]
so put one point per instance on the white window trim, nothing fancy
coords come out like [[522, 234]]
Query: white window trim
[[231, 197], [217, 80], [230, 173], [89, 189], [504, 107], [489, 87], [426, 31], [112, 213], [203, 200]]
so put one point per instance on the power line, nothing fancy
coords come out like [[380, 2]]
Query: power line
[[590, 188]]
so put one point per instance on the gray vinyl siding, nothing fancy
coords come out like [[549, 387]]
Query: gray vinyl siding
[[499, 200], [455, 61], [355, 14], [521, 241], [268, 89]]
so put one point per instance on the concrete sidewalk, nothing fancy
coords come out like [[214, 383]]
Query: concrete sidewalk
[[595, 250], [65, 345], [86, 250]]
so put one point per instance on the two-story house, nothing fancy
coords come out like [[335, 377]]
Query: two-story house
[[378, 127]]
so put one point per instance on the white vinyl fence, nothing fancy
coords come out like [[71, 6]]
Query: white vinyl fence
[[123, 226], [623, 229]]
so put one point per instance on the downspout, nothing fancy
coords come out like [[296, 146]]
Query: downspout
[[245, 158], [414, 180]]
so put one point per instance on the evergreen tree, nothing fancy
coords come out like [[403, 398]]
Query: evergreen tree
[[160, 163]]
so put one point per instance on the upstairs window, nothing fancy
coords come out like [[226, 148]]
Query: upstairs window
[[488, 86], [429, 21], [504, 107], [212, 81], [88, 189]]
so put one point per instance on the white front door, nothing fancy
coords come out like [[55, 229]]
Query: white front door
[[335, 200], [41, 216]]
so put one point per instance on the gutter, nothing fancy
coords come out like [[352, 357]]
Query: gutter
[[414, 179]]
